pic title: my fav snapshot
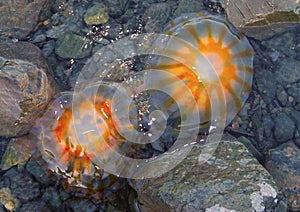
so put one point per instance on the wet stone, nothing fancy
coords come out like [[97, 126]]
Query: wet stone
[[22, 185], [189, 6], [36, 205], [17, 152], [230, 180], [296, 116], [283, 163], [115, 7], [96, 15], [48, 48], [40, 174], [294, 92], [12, 21], [73, 46], [24, 93], [80, 205], [3, 145], [266, 87], [287, 71], [51, 197], [156, 17], [282, 96], [284, 128]]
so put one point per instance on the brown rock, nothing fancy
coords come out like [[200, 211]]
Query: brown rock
[[19, 17], [25, 86], [261, 19]]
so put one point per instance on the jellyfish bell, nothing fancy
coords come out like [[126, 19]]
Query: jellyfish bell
[[220, 46]]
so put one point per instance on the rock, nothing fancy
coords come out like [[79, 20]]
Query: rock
[[12, 21], [284, 128], [36, 205], [115, 7], [294, 92], [7, 200], [80, 205], [3, 145], [24, 93], [266, 87], [22, 185], [287, 71], [39, 173], [51, 196], [251, 148], [230, 180], [156, 17], [28, 86], [73, 46], [96, 15], [17, 152], [242, 12], [189, 6], [283, 163]]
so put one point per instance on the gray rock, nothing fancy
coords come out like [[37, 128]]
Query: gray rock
[[80, 205], [22, 185], [156, 17], [287, 71], [3, 145], [51, 196], [115, 7], [284, 165], [266, 87], [294, 92], [48, 48], [284, 128], [282, 96], [73, 46], [296, 116], [230, 180], [34, 168], [12, 21], [189, 6], [36, 205]]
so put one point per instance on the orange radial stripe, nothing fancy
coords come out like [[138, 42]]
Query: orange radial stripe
[[242, 54], [209, 30], [223, 34], [193, 32], [242, 82], [232, 43], [247, 69]]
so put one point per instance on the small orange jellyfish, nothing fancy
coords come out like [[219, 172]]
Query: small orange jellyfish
[[228, 53]]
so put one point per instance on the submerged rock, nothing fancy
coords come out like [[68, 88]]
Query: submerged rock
[[17, 152], [156, 17], [73, 46], [283, 163], [12, 21], [262, 19], [96, 15], [231, 180], [8, 200], [26, 86]]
